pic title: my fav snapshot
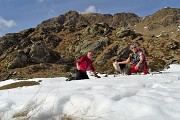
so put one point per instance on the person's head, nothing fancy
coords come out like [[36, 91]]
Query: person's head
[[90, 55], [134, 47], [137, 44]]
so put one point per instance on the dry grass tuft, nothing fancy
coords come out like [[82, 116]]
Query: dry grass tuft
[[66, 117], [19, 84]]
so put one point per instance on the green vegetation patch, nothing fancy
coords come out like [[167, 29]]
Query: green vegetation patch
[[19, 84]]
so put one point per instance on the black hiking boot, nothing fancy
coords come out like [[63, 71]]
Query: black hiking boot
[[68, 80]]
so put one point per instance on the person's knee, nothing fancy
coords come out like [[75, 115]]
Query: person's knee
[[128, 71], [141, 67]]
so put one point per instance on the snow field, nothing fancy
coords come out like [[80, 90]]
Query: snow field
[[135, 97]]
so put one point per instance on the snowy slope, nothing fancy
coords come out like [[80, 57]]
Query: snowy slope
[[135, 97]]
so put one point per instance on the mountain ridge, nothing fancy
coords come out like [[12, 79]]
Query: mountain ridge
[[55, 44]]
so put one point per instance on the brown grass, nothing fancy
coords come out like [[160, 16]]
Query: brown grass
[[19, 84], [66, 117]]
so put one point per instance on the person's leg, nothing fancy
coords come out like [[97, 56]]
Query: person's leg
[[128, 71], [122, 67], [78, 75], [133, 69], [81, 75], [70, 78], [143, 68], [84, 75]]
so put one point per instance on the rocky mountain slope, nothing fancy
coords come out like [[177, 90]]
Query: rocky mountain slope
[[52, 47]]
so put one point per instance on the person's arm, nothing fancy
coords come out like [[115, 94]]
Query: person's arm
[[124, 62], [93, 70], [77, 66], [141, 60], [91, 67], [78, 62]]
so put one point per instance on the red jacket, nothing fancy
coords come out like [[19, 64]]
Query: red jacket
[[84, 63]]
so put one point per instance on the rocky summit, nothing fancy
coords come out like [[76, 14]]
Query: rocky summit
[[51, 49]]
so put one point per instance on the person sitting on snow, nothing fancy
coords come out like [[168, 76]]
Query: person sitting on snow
[[144, 53], [83, 64], [137, 60]]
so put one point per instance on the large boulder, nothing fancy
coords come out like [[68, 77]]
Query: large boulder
[[20, 60], [97, 46], [124, 53], [8, 41], [98, 29], [39, 53], [124, 32]]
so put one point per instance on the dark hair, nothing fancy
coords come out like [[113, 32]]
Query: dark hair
[[133, 46], [137, 43]]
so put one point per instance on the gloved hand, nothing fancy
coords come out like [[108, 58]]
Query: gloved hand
[[95, 74]]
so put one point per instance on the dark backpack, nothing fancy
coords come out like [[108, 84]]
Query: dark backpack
[[135, 58]]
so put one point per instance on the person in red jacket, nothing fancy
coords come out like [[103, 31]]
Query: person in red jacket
[[83, 64]]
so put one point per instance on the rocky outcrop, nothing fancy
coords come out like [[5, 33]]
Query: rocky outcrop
[[75, 19], [37, 53], [71, 18], [125, 19], [98, 29], [166, 17], [125, 32], [20, 60], [8, 41], [97, 46]]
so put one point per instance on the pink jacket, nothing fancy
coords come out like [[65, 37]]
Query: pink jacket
[[84, 63]]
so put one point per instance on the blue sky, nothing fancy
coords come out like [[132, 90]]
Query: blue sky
[[17, 15]]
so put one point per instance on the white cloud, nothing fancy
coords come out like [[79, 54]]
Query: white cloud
[[91, 9], [5, 24]]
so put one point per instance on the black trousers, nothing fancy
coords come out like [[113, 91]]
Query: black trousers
[[81, 75]]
